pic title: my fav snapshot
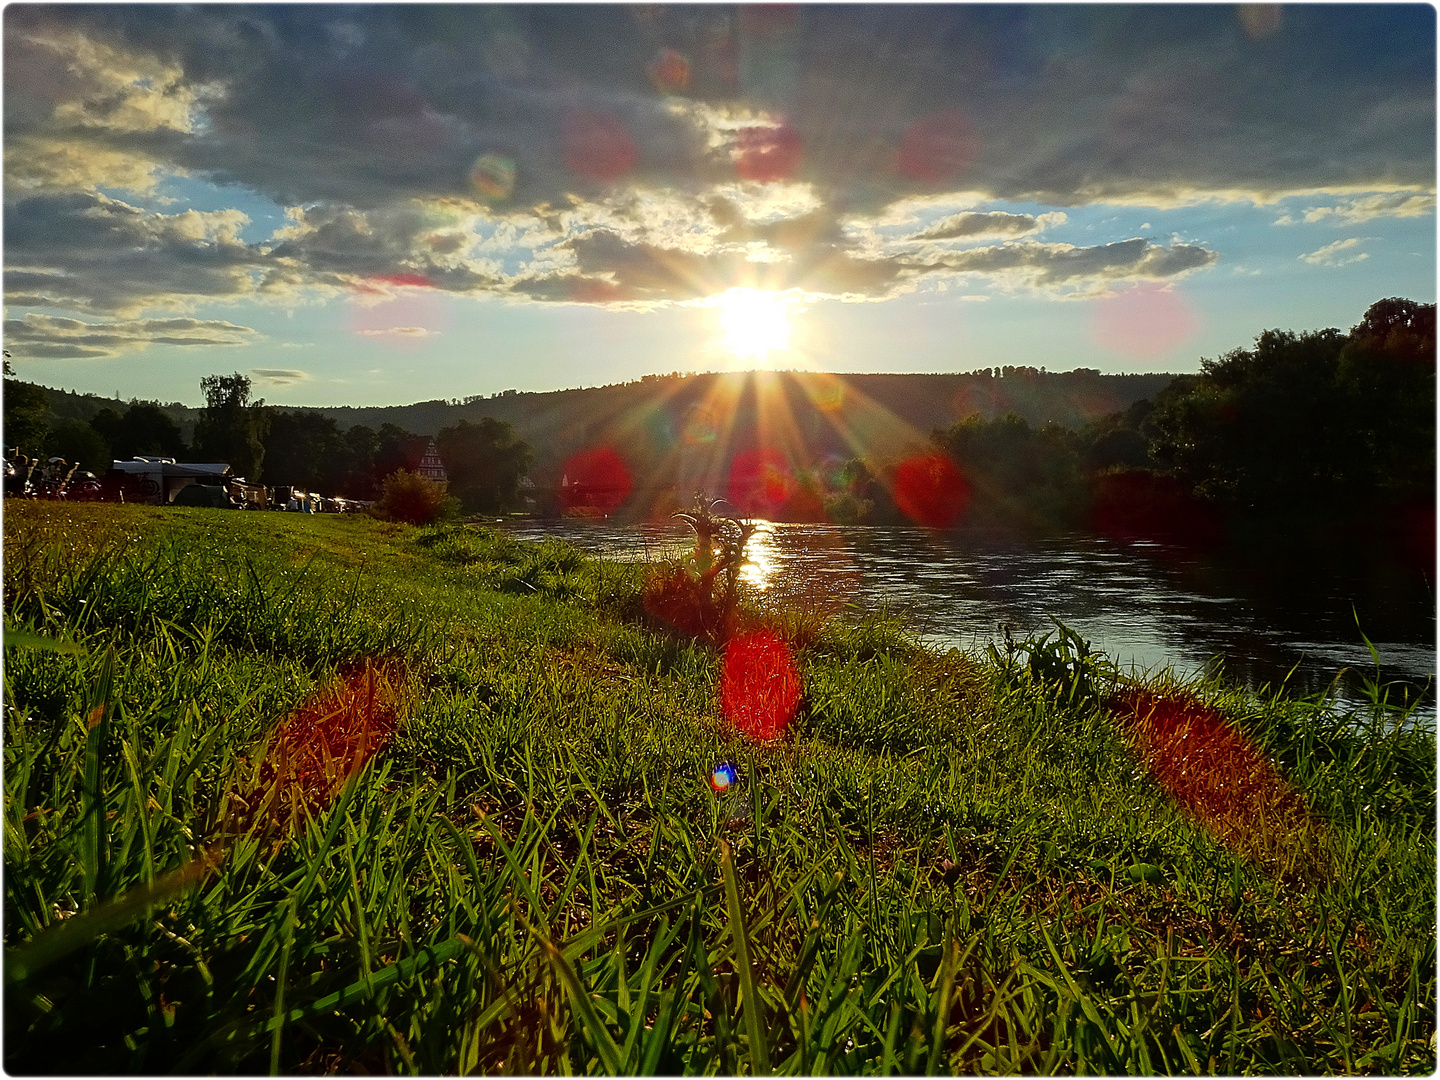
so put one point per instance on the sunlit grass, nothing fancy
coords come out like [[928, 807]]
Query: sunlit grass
[[946, 864]]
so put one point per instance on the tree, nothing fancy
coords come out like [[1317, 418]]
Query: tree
[[1386, 373], [144, 429], [485, 463], [79, 444], [1018, 474], [306, 450], [231, 429], [1301, 421], [27, 416]]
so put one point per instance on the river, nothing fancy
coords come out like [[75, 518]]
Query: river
[[1257, 614]]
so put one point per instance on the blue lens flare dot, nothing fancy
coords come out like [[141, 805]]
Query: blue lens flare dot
[[723, 777]]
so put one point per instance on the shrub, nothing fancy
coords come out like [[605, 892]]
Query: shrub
[[412, 498]]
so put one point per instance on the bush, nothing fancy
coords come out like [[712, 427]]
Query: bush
[[410, 497]]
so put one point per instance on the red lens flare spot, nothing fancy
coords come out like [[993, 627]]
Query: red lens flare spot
[[685, 602], [595, 480], [759, 685], [596, 291], [761, 482], [937, 146], [416, 281], [1218, 776], [597, 146], [409, 318], [1145, 322], [768, 154], [324, 742], [669, 71], [930, 491]]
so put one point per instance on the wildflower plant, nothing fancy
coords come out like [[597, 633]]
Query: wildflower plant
[[699, 594]]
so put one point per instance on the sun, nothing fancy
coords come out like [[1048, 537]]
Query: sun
[[756, 323]]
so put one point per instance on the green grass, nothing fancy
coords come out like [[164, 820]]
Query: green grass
[[535, 877]]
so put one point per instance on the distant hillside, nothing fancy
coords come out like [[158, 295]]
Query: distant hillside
[[67, 405], [684, 420], [682, 430]]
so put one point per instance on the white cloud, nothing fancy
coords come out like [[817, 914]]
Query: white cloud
[[399, 331], [280, 376], [1356, 211], [1331, 254]]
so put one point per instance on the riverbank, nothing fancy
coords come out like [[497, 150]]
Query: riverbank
[[1280, 609], [946, 863]]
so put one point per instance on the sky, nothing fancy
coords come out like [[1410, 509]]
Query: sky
[[382, 204]]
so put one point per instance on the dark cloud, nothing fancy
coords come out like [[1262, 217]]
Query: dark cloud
[[365, 105]]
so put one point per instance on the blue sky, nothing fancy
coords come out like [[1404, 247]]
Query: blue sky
[[382, 204]]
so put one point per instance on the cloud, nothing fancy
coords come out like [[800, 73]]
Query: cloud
[[47, 336], [995, 223], [89, 252], [1398, 204], [1061, 266], [1155, 103], [280, 376], [398, 331], [365, 123], [1330, 254]]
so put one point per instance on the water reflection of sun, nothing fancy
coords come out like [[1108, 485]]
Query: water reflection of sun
[[761, 557]]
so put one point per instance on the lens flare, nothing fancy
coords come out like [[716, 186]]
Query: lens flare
[[937, 146], [755, 322], [1130, 506], [493, 176], [399, 310], [930, 491], [1145, 322], [598, 146], [827, 392], [761, 482], [1219, 778], [669, 71], [1259, 20], [768, 154], [702, 425], [759, 684], [597, 480], [723, 777]]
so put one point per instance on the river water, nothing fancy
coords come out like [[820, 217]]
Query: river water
[[1256, 614]]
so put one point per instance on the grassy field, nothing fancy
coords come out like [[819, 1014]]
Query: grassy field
[[315, 794]]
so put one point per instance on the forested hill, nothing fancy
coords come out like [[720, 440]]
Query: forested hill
[[920, 403], [924, 402]]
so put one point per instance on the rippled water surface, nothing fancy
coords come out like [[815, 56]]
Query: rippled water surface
[[1149, 606]]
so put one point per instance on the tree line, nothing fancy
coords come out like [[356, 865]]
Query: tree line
[[1319, 423], [1312, 422], [485, 461]]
